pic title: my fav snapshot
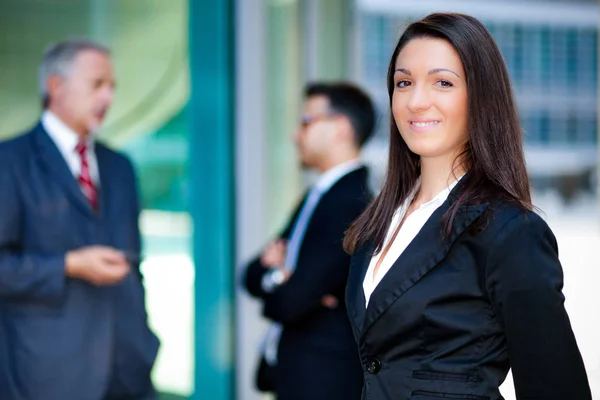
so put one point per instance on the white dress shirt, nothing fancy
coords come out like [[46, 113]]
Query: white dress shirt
[[330, 177], [409, 230], [66, 140]]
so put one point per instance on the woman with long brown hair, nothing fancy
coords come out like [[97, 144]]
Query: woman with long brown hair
[[454, 278]]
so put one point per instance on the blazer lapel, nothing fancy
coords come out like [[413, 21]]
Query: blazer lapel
[[355, 295], [52, 161], [426, 250]]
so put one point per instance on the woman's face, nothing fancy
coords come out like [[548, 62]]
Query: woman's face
[[429, 102]]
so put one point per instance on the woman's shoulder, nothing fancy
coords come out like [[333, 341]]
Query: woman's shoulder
[[510, 218]]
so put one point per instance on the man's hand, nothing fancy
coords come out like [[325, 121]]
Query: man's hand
[[329, 301], [274, 254], [99, 265]]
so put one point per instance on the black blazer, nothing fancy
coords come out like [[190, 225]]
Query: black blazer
[[317, 357], [452, 316]]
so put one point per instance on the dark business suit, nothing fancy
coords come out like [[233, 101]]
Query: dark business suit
[[451, 316], [317, 356], [61, 338]]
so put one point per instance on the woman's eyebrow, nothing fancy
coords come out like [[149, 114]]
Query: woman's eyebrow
[[431, 72]]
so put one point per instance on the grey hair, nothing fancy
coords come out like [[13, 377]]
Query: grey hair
[[58, 59]]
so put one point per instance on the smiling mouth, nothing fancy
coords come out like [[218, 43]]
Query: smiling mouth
[[422, 124]]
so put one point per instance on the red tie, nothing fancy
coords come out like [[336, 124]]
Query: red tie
[[85, 180]]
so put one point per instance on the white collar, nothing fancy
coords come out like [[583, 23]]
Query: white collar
[[65, 138], [330, 177]]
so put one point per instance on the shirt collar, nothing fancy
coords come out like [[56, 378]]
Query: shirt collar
[[66, 139], [330, 177]]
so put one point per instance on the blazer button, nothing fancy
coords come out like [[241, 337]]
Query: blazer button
[[374, 366]]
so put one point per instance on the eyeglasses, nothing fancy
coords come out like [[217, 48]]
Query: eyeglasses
[[307, 120]]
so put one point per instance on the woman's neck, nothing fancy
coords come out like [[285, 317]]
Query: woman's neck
[[436, 175]]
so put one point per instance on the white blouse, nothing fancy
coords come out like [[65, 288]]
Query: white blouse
[[411, 227]]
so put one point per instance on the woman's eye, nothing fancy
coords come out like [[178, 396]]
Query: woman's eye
[[402, 84], [444, 84]]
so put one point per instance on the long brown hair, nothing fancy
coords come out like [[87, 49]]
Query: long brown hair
[[493, 155]]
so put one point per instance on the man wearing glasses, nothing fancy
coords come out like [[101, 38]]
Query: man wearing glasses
[[309, 352]]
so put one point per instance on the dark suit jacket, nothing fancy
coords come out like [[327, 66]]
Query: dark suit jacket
[[317, 358], [451, 316], [61, 338]]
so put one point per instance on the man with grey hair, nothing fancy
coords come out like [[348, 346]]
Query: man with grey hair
[[72, 310]]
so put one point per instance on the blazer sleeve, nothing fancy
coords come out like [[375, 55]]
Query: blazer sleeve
[[322, 268], [252, 278], [134, 243], [24, 275], [525, 280], [135, 239]]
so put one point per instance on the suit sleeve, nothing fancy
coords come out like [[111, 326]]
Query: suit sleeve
[[525, 281], [252, 278], [135, 239], [322, 268], [24, 275]]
